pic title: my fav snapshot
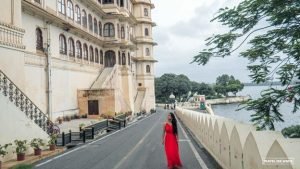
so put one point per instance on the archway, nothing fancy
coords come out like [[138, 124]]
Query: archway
[[110, 58]]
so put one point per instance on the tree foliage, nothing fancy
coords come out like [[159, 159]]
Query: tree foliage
[[226, 84], [291, 132], [274, 51], [180, 86]]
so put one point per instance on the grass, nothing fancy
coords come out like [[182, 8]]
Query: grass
[[23, 166]]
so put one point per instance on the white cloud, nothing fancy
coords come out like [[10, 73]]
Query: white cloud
[[181, 33]]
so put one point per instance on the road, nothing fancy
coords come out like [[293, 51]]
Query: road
[[138, 146]]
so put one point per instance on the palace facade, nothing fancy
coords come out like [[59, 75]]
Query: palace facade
[[80, 56]]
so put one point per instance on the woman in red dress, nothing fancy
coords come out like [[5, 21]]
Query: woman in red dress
[[170, 140]]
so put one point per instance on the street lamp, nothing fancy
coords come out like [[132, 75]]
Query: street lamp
[[172, 98]]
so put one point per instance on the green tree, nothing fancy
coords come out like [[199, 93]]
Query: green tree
[[226, 84], [274, 49], [179, 85]]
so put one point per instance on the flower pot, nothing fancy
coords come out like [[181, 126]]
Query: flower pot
[[37, 152], [52, 147], [21, 157]]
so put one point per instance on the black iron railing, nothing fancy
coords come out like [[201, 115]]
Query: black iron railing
[[88, 133], [16, 96]]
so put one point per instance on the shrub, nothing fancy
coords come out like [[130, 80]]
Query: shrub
[[36, 143], [3, 151], [23, 166], [52, 139], [21, 146], [291, 132]]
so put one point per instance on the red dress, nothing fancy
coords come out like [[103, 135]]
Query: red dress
[[171, 147]]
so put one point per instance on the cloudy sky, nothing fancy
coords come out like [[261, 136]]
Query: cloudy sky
[[182, 28]]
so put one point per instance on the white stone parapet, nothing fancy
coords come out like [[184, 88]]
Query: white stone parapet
[[236, 145], [11, 36]]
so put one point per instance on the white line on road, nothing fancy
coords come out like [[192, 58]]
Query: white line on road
[[76, 149], [137, 145], [199, 159], [184, 140]]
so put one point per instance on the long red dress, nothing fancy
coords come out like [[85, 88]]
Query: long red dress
[[171, 147]]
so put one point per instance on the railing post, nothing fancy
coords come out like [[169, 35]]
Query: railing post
[[63, 139], [70, 136], [124, 123], [83, 139], [93, 132]]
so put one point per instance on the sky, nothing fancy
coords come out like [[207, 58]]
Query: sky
[[182, 27]]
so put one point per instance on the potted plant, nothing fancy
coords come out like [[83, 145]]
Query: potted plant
[[36, 144], [81, 126], [21, 147], [52, 142], [3, 152]]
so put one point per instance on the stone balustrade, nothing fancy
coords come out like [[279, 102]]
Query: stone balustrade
[[11, 36], [236, 145]]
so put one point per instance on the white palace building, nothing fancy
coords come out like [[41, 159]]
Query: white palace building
[[66, 57]]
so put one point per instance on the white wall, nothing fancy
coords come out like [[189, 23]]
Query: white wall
[[15, 125], [247, 147]]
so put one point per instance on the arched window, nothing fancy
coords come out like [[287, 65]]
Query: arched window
[[122, 32], [101, 57], [147, 52], [148, 70], [109, 30], [71, 47], [95, 26], [91, 54], [108, 1], [129, 58], [70, 9], [84, 19], [110, 58], [122, 3], [120, 59], [99, 1], [90, 18], [78, 50], [146, 32], [100, 28], [123, 59], [146, 13], [39, 39], [96, 56], [77, 14], [62, 45], [85, 52], [61, 6]]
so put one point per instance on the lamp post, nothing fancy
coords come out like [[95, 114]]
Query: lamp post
[[172, 98]]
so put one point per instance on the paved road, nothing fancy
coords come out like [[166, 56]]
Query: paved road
[[136, 147]]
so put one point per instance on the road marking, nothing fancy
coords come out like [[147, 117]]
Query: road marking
[[184, 140], [199, 159], [78, 148], [137, 145]]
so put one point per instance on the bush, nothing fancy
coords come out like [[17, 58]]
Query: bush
[[153, 111], [291, 132], [23, 166]]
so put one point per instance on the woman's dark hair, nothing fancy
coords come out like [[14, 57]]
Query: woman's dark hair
[[174, 123]]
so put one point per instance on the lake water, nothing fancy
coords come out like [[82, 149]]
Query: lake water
[[229, 110]]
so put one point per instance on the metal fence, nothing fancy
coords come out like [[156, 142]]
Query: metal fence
[[89, 132]]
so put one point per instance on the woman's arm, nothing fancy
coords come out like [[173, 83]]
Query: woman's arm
[[163, 134]]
